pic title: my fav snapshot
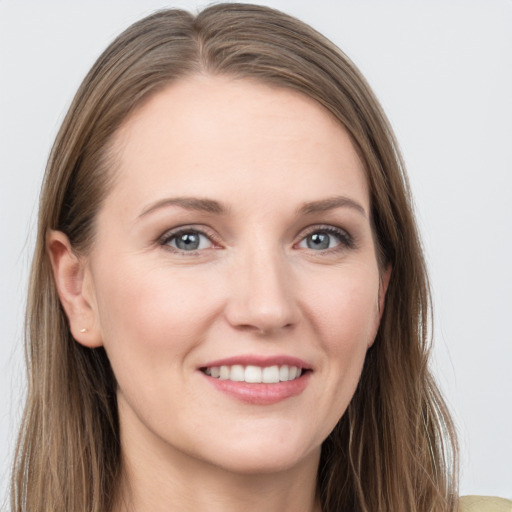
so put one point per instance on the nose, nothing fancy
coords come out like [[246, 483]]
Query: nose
[[262, 297]]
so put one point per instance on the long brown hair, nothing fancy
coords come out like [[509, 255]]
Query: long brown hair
[[394, 449]]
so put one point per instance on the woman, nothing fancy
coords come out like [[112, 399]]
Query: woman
[[228, 304]]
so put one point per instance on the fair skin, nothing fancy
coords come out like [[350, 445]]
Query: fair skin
[[237, 235]]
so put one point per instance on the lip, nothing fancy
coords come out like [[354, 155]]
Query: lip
[[256, 360], [260, 393]]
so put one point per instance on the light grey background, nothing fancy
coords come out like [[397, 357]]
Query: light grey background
[[443, 72]]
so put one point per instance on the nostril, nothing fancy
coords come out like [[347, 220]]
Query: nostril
[[265, 331]]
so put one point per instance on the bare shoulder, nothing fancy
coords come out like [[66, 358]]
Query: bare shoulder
[[484, 504]]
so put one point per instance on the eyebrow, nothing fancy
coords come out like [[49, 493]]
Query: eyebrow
[[330, 204], [188, 203], [212, 206]]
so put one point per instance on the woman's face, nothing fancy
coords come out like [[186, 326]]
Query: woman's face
[[233, 253]]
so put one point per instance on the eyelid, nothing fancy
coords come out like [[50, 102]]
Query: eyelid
[[163, 240], [346, 239]]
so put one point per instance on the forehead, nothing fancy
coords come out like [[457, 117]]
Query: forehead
[[216, 135]]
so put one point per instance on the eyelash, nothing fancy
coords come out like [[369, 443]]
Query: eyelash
[[169, 236], [346, 241]]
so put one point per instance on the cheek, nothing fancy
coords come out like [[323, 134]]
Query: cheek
[[152, 315], [345, 309], [345, 316], [151, 324]]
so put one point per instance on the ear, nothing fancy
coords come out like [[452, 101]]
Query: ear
[[74, 284]]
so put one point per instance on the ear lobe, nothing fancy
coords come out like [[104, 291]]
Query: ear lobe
[[72, 279]]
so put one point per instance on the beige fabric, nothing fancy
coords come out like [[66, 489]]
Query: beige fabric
[[484, 504]]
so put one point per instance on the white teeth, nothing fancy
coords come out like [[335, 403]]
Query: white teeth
[[270, 375], [237, 373], [284, 373], [224, 373], [252, 374], [255, 374]]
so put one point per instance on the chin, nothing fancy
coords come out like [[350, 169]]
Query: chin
[[265, 455], [266, 464]]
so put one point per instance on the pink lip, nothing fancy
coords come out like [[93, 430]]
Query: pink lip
[[256, 360], [260, 393]]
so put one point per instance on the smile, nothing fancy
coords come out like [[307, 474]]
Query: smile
[[254, 374]]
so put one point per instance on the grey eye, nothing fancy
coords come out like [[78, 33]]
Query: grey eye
[[189, 241], [320, 241]]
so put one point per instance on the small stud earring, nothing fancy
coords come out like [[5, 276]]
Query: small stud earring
[[83, 330]]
